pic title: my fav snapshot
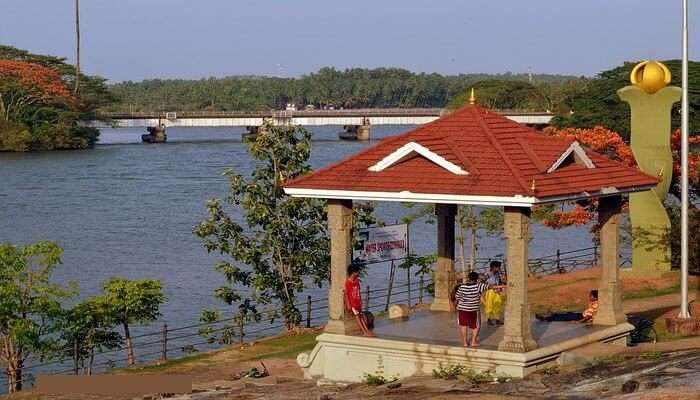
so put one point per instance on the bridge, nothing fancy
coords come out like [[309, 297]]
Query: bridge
[[356, 121]]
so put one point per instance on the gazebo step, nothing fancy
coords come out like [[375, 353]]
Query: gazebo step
[[348, 358]]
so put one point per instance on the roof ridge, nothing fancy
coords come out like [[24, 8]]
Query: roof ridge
[[471, 168], [500, 151], [533, 155]]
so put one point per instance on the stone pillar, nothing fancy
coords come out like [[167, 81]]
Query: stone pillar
[[517, 334], [610, 288], [340, 227], [363, 131], [444, 269]]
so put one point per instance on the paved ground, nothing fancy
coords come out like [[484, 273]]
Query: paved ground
[[441, 328]]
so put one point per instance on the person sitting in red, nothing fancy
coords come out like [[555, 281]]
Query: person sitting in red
[[353, 300]]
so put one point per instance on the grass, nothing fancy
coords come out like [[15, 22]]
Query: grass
[[649, 292], [456, 371], [558, 284], [552, 370], [286, 347], [607, 360], [377, 380], [283, 347], [450, 372], [160, 366]]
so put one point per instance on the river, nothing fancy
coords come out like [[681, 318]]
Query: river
[[128, 209]]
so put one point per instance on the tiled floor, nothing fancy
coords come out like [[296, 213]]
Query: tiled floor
[[441, 328]]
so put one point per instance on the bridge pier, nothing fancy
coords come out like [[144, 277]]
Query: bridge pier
[[156, 134], [356, 132]]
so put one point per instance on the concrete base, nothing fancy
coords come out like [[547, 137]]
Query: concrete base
[[347, 358]]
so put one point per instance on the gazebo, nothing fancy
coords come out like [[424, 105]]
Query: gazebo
[[477, 157]]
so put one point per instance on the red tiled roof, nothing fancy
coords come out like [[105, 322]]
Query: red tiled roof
[[502, 158]]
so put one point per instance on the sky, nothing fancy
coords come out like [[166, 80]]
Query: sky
[[140, 39]]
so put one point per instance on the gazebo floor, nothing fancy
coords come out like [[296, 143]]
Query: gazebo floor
[[441, 328], [417, 345]]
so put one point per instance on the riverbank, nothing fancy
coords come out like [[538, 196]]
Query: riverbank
[[649, 297]]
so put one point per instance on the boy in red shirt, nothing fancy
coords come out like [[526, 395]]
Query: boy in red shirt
[[353, 300]]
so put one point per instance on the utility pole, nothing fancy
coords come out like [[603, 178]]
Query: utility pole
[[684, 170], [77, 45]]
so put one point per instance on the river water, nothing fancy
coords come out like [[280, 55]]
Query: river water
[[128, 209]]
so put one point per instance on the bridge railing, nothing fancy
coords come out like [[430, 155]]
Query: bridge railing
[[356, 112]]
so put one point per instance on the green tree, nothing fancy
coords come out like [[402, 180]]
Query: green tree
[[30, 306], [477, 223], [597, 103], [131, 302], [282, 240], [505, 95], [89, 327]]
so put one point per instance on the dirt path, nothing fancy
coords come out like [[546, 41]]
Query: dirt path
[[665, 301]]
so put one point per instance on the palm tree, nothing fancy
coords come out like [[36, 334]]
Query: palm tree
[[77, 45]]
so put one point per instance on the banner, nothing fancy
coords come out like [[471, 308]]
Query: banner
[[380, 244]]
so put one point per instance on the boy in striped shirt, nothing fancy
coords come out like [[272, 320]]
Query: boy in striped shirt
[[468, 299]]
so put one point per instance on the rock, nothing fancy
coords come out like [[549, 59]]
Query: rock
[[325, 382], [394, 385], [398, 311], [630, 386], [288, 379], [328, 382], [651, 385], [532, 386]]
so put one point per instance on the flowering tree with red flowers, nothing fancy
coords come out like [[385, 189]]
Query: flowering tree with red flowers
[[38, 109], [611, 144], [25, 85]]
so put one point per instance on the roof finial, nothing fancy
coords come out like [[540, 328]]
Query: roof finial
[[472, 98]]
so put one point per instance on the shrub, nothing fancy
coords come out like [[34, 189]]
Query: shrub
[[450, 372], [377, 380]]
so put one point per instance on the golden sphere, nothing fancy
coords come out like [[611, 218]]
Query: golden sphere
[[651, 76]]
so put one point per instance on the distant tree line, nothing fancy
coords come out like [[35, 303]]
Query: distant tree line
[[329, 87]]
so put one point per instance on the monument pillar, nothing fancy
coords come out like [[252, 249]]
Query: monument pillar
[[610, 310], [444, 269], [517, 334], [650, 104], [340, 227]]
